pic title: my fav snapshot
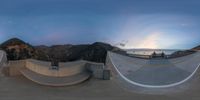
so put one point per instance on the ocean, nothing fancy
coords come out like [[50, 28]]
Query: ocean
[[150, 51]]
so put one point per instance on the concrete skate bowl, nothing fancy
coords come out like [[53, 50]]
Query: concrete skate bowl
[[154, 74], [68, 73]]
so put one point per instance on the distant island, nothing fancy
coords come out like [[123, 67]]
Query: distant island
[[17, 49]]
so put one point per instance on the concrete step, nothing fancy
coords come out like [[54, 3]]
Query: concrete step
[[55, 81]]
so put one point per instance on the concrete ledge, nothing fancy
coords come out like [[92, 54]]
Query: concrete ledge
[[3, 58], [69, 73], [55, 81], [65, 69], [14, 67], [98, 70]]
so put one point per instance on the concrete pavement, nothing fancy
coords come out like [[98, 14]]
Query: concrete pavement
[[155, 73]]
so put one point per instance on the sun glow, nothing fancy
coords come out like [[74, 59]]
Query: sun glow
[[150, 41]]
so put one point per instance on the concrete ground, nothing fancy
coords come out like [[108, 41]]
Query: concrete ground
[[156, 72], [20, 88]]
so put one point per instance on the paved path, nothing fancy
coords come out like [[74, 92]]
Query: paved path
[[155, 73]]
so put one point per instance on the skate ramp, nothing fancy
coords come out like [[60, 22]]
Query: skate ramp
[[55, 81], [68, 73], [154, 73]]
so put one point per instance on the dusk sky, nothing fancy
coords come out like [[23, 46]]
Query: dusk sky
[[171, 24]]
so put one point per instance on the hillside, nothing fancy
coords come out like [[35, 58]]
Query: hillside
[[196, 48], [181, 53], [92, 52], [18, 49]]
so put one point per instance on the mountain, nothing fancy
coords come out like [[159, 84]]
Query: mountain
[[17, 49], [185, 52], [196, 48], [181, 53], [95, 52]]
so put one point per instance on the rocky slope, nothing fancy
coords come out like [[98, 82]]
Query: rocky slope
[[185, 52], [17, 49], [92, 52], [96, 52], [181, 53], [196, 48]]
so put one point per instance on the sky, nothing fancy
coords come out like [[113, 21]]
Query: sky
[[158, 24]]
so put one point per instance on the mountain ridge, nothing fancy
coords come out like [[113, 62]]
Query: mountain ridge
[[17, 49]]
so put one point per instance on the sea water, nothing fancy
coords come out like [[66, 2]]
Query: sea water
[[150, 51]]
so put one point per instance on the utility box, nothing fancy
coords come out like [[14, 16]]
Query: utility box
[[106, 74]]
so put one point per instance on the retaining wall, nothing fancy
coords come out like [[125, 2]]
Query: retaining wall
[[65, 69], [14, 67], [3, 58]]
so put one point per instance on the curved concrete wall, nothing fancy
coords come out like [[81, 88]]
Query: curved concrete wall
[[65, 69], [191, 60], [113, 66], [3, 58], [182, 58], [13, 68], [97, 70], [55, 81]]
